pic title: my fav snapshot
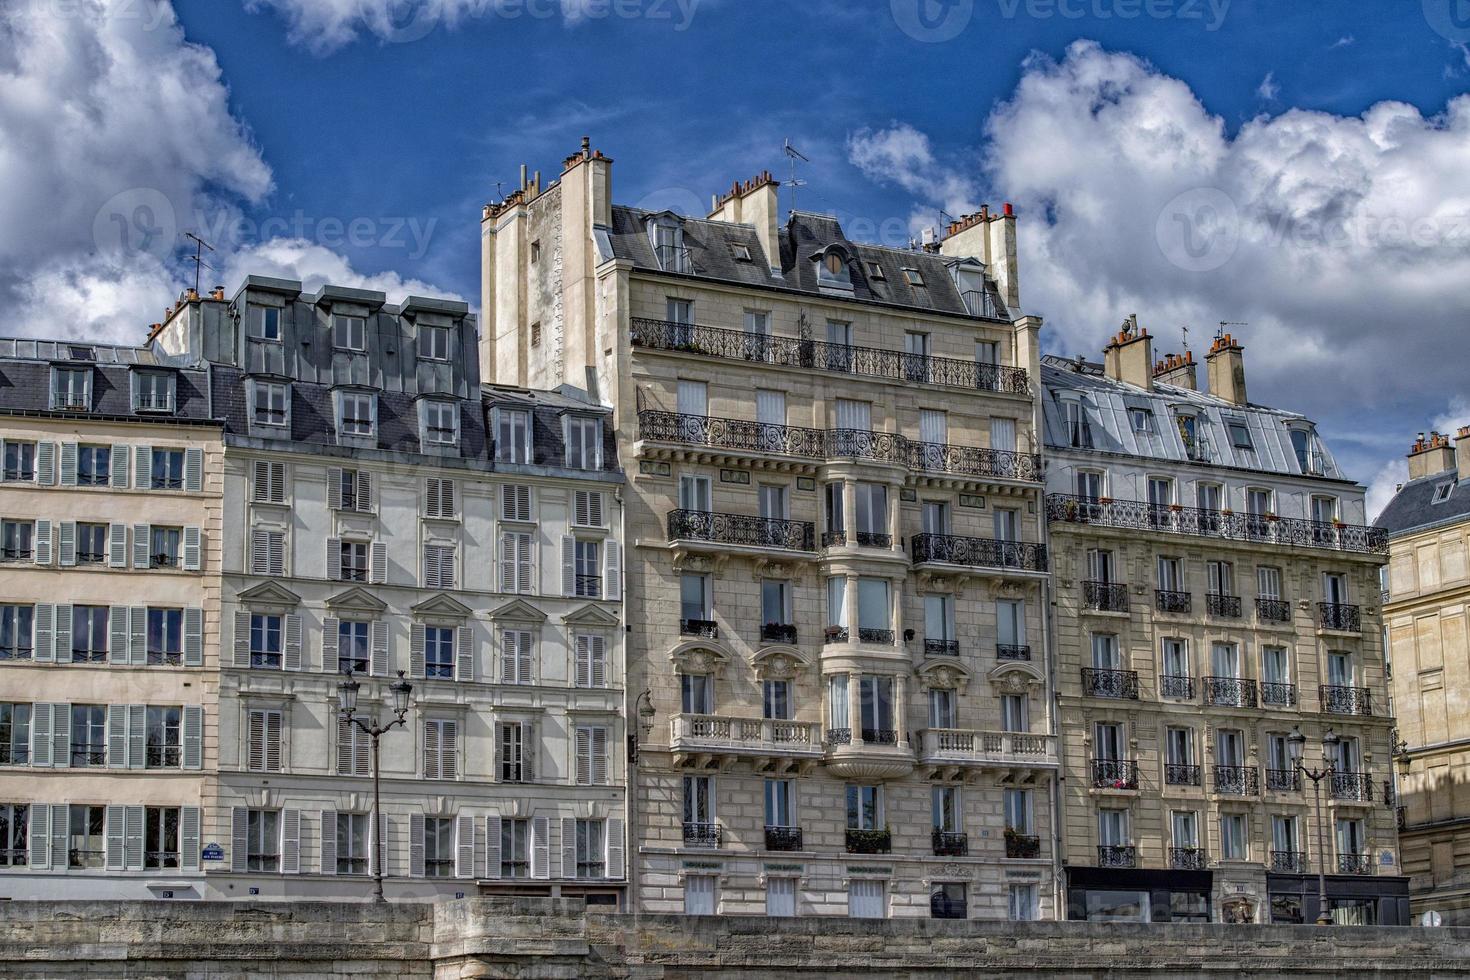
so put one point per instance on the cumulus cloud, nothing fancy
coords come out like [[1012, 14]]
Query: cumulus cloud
[[316, 265], [902, 155], [1268, 89]]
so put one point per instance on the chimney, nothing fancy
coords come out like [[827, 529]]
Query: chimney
[[1432, 456], [754, 202], [1177, 371], [1226, 367], [991, 238], [1129, 356], [1462, 452]]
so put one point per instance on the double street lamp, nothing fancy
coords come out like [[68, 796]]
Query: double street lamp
[[347, 707], [1330, 741]]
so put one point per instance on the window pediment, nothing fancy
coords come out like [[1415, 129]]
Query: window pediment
[[269, 594], [1014, 677], [944, 674], [442, 606], [357, 600], [700, 657], [590, 615], [519, 611], [779, 662]]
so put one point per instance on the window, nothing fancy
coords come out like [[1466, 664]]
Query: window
[[1257, 501], [268, 323], [1240, 436], [591, 848], [694, 597], [588, 568], [667, 236], [167, 469], [591, 748], [913, 277], [776, 700], [584, 444], [1105, 652], [1339, 668], [856, 416], [947, 900], [441, 749], [1079, 428], [94, 466], [270, 403], [349, 332], [515, 848], [15, 540], [942, 707], [865, 899], [89, 634], [699, 808], [944, 809], [267, 552], [536, 334], [1324, 509], [354, 749], [441, 423], [1171, 577], [163, 552], [86, 837], [1268, 582], [352, 646], [91, 544], [1334, 588], [439, 652], [939, 630], [515, 562], [153, 391], [832, 270], [1232, 837], [161, 735], [699, 894], [865, 807], [353, 491], [1141, 420], [1010, 622], [161, 837], [88, 735], [535, 252], [1015, 713], [357, 411], [515, 656], [1178, 747], [780, 897], [433, 343], [16, 636], [438, 566], [1023, 903], [71, 389], [1017, 805], [1443, 491], [1176, 658], [263, 840], [1089, 485], [513, 435], [14, 836], [353, 561], [742, 252], [697, 694], [263, 740], [1221, 575], [775, 608], [872, 513], [874, 608], [165, 637], [875, 272], [1112, 828], [513, 759], [352, 843], [692, 398], [20, 461], [15, 736]]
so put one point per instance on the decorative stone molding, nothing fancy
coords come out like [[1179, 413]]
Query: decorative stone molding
[[778, 662], [700, 657], [943, 674], [1015, 677]]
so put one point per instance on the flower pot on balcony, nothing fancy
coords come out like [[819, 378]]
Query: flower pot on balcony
[[1273, 517], [1176, 508], [1104, 500]]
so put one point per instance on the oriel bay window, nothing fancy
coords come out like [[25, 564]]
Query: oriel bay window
[[776, 624], [839, 708], [874, 611], [872, 515], [875, 700], [939, 628]]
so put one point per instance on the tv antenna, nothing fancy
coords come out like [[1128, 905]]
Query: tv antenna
[[1229, 323], [1185, 330], [797, 158], [198, 257]]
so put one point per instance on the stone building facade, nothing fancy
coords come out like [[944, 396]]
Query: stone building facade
[[1427, 591], [833, 523], [1216, 592]]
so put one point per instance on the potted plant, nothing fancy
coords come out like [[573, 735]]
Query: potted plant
[[1272, 517], [1105, 500], [1176, 508]]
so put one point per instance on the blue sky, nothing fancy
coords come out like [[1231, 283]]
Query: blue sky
[[1326, 135]]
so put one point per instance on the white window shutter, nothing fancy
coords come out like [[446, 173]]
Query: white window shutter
[[60, 819], [117, 545], [464, 654], [597, 649], [583, 748], [41, 548], [379, 552], [117, 635], [46, 463], [524, 654], [334, 559], [431, 749], [568, 565], [138, 635], [328, 852], [143, 468], [540, 847], [61, 736], [449, 750], [42, 716], [530, 748], [508, 562], [492, 847], [569, 847], [43, 646], [39, 855], [193, 549], [259, 551], [291, 841], [379, 648], [117, 736], [193, 637], [67, 543], [68, 464], [334, 487], [330, 635], [63, 634], [255, 741], [142, 541], [119, 467], [273, 741], [242, 639], [613, 831], [194, 470], [599, 756], [416, 845], [612, 581], [416, 635], [137, 735], [239, 848], [193, 736], [292, 643], [464, 846], [189, 832], [364, 491], [133, 837], [114, 829]]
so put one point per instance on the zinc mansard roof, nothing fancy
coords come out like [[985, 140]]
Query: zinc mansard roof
[[1417, 506], [713, 245], [1107, 404], [26, 366]]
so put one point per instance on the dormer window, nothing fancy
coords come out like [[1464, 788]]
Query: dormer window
[[969, 279], [349, 332], [875, 272], [71, 389], [1443, 491], [832, 269], [513, 435], [583, 443], [666, 235], [153, 391], [270, 403], [268, 324], [434, 343], [742, 253], [912, 277], [1141, 420], [1240, 435], [441, 423], [357, 414], [1304, 444], [1074, 415]]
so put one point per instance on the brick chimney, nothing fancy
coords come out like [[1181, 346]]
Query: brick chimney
[[1177, 371], [1462, 452], [754, 202], [1431, 456], [1226, 367], [991, 238], [1129, 356]]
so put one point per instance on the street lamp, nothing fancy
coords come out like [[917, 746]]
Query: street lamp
[[347, 707], [1330, 741]]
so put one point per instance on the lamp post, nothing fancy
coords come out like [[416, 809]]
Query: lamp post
[[347, 707], [1329, 742]]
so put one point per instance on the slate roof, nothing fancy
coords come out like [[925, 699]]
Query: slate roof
[[1413, 507], [1107, 403], [25, 380]]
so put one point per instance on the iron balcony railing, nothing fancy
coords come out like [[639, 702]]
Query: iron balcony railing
[[880, 636], [1356, 786], [835, 634], [1230, 692], [1117, 856], [701, 834], [1284, 780], [941, 648], [880, 736], [1181, 774], [740, 345], [834, 539], [1012, 651], [1187, 858], [1171, 601], [1355, 864], [778, 633], [1114, 774], [706, 628], [1289, 862], [1105, 596], [1237, 780], [874, 539], [954, 549], [1099, 683], [1142, 515], [1278, 693], [868, 841], [1176, 686], [783, 838], [1339, 616], [1225, 606], [1273, 610], [743, 435], [742, 529], [948, 843], [1345, 700], [839, 736], [1020, 845]]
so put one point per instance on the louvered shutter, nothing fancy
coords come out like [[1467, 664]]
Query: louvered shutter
[[515, 502], [597, 656], [587, 508], [61, 735], [142, 541], [119, 467], [133, 837], [599, 756], [331, 627], [239, 847], [524, 654], [193, 637], [449, 750], [255, 741], [416, 640], [525, 564], [117, 545], [334, 559], [117, 736], [68, 464], [242, 639], [117, 635], [46, 463], [416, 845], [43, 646], [63, 635], [137, 736], [613, 832], [583, 644], [260, 480], [584, 756], [431, 750], [194, 470], [138, 635], [379, 553], [345, 746], [447, 504], [67, 543], [362, 753], [42, 718], [568, 565], [193, 549], [39, 843], [115, 829], [273, 721], [464, 654], [464, 846], [189, 833], [612, 581], [60, 814], [508, 562], [292, 658], [492, 847], [193, 736], [334, 488], [143, 467], [540, 847], [41, 549], [379, 648], [328, 851], [259, 552], [569, 847], [291, 841], [530, 749], [364, 491]]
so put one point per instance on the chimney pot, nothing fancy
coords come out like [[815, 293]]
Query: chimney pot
[[1010, 212]]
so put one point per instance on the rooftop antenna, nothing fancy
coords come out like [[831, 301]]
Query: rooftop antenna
[[797, 158], [1185, 330], [198, 257], [1229, 323]]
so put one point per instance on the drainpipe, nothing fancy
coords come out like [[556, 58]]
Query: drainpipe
[[631, 730], [1051, 678]]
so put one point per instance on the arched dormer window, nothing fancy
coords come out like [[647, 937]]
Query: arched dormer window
[[666, 235], [833, 268]]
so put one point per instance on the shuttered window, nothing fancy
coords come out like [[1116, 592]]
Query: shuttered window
[[515, 562], [263, 740], [591, 660], [587, 508], [439, 498], [354, 749], [267, 553], [438, 566], [515, 502], [268, 482], [515, 656], [441, 749], [591, 749]]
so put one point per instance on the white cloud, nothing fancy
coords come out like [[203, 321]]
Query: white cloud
[[1346, 40], [902, 155], [1268, 89], [316, 265]]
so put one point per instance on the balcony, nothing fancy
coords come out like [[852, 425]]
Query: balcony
[[1273, 610], [937, 457], [951, 750], [778, 633], [769, 742], [1022, 846], [1345, 700], [1012, 651], [1099, 683], [1181, 774], [941, 648], [1354, 786], [1283, 781], [1117, 856], [1170, 601], [1230, 692], [879, 636], [880, 736], [699, 834], [867, 753], [834, 539], [838, 736], [953, 549], [1237, 781], [1114, 774], [1187, 858], [706, 628], [874, 539], [1105, 596], [1177, 686], [1278, 694], [740, 345], [1223, 606], [1355, 864], [1140, 515], [783, 838], [1339, 616], [950, 844], [835, 634], [741, 530], [869, 841], [1288, 862]]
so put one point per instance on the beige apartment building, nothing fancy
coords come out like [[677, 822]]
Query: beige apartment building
[[1217, 627], [837, 658], [1428, 588]]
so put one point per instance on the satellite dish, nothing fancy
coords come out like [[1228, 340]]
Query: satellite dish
[[1431, 919]]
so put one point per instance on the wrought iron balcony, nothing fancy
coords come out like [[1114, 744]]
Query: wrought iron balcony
[[778, 633], [1117, 856], [819, 355], [950, 844], [1176, 686], [968, 747], [706, 628], [1278, 694], [1181, 774], [1105, 596], [834, 539], [1339, 616], [1114, 774], [741, 529], [953, 549], [1187, 858], [700, 834], [937, 457], [1170, 601], [783, 838], [1230, 692], [1099, 683], [1022, 845], [874, 539], [1356, 786], [1283, 780], [835, 634], [880, 736], [839, 736], [1141, 515], [941, 648], [1237, 780], [1345, 700], [1225, 606], [1289, 862], [1355, 864], [883, 637], [1012, 651], [868, 841], [1273, 610], [731, 737]]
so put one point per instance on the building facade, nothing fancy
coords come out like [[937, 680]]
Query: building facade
[[1217, 623], [835, 572], [1428, 588]]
